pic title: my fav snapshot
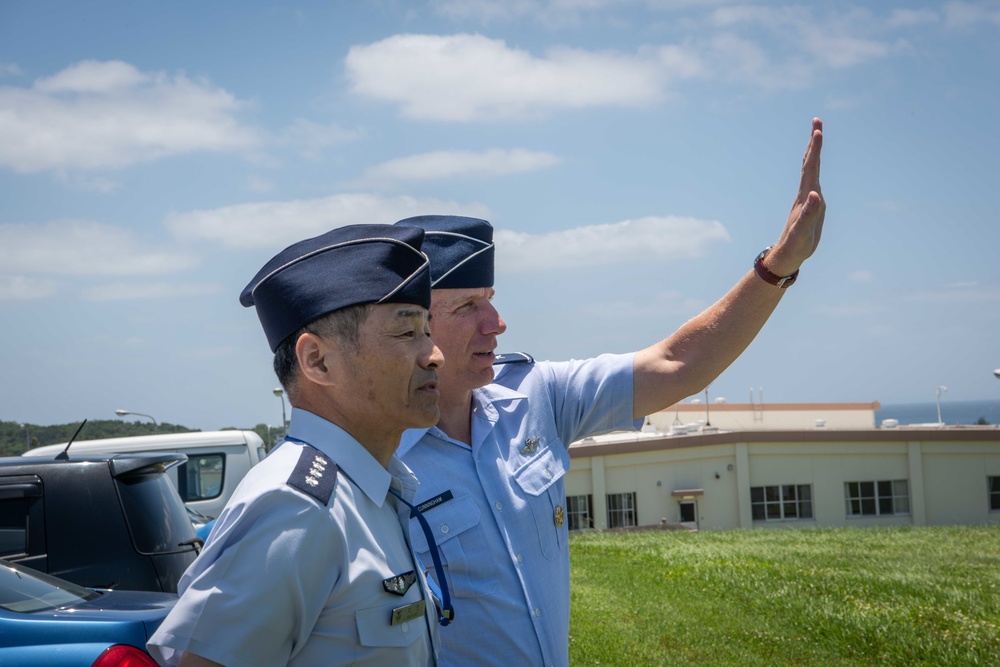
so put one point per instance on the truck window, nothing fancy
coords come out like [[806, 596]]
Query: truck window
[[201, 477]]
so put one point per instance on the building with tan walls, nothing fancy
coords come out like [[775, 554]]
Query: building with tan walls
[[786, 478]]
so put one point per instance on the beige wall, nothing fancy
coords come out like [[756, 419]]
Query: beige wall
[[767, 416], [946, 470]]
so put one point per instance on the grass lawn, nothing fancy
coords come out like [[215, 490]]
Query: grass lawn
[[854, 596]]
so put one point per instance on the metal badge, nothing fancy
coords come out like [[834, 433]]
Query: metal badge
[[407, 612], [560, 516], [530, 445], [399, 584]]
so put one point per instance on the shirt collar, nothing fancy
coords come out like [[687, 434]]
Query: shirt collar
[[484, 403], [351, 457]]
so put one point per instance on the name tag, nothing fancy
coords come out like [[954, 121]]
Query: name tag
[[407, 612], [435, 501]]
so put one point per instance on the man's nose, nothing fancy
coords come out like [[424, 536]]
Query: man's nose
[[434, 358], [494, 324]]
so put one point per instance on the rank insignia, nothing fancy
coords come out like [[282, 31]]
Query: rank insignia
[[530, 445], [399, 584], [314, 474], [560, 516]]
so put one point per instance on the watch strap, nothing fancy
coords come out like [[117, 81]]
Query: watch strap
[[778, 281]]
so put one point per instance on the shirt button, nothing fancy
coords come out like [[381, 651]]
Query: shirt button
[[548, 474], [519, 558], [498, 505], [404, 627], [538, 612], [444, 528]]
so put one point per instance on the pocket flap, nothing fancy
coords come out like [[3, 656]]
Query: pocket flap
[[446, 521], [541, 473]]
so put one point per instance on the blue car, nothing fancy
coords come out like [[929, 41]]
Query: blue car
[[51, 622], [202, 524]]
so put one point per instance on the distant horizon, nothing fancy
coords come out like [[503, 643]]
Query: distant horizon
[[992, 403]]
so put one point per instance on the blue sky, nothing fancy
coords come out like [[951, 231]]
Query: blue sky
[[633, 155]]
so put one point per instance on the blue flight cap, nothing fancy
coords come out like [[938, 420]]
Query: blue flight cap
[[344, 267], [460, 249]]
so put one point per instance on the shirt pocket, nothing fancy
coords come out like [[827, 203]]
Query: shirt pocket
[[375, 628], [455, 526], [540, 480]]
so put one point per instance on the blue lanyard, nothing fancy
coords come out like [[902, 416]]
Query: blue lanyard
[[446, 613]]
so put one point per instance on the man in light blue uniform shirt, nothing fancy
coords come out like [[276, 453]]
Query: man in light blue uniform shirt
[[309, 563], [492, 470]]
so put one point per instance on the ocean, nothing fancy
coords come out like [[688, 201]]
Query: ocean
[[952, 412]]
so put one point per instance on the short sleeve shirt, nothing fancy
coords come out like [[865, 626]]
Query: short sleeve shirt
[[497, 509], [286, 578]]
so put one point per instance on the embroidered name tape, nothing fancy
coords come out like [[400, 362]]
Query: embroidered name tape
[[431, 503]]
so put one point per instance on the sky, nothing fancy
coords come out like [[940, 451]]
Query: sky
[[634, 156]]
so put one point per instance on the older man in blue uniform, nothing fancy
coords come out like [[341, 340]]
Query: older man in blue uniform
[[309, 564], [492, 469]]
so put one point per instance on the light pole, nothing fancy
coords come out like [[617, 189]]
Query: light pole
[[940, 390], [122, 413], [280, 393]]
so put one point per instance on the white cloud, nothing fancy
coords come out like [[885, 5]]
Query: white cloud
[[257, 184], [644, 239], [451, 165], [806, 41], [471, 77], [968, 13], [860, 276], [10, 69], [850, 310], [550, 12], [272, 225], [310, 139], [132, 291], [107, 115], [957, 293], [904, 18], [83, 248], [23, 288]]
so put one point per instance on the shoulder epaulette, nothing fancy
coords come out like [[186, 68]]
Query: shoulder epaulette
[[314, 475], [513, 358]]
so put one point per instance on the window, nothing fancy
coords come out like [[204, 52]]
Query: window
[[781, 502], [621, 510], [994, 493], [20, 505], [201, 477], [13, 526], [578, 512], [883, 498]]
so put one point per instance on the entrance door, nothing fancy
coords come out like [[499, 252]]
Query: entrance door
[[688, 510]]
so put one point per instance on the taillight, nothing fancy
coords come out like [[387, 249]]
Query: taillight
[[121, 655]]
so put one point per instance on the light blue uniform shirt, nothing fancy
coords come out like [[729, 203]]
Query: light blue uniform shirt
[[492, 508], [284, 579]]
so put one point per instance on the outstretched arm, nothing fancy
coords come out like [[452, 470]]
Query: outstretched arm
[[686, 362]]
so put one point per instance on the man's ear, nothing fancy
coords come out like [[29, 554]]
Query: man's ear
[[316, 357]]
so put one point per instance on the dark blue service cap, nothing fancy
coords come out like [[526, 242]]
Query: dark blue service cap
[[460, 249], [344, 267]]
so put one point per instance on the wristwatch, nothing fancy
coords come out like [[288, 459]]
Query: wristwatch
[[776, 280]]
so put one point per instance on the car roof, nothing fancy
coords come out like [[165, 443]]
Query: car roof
[[121, 464]]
